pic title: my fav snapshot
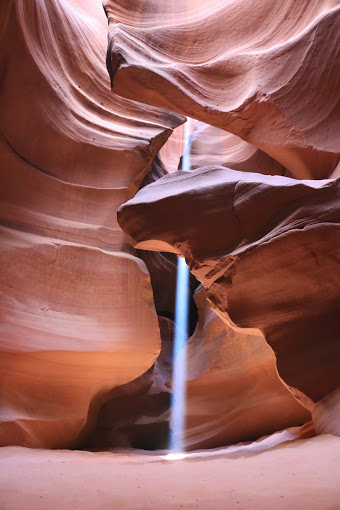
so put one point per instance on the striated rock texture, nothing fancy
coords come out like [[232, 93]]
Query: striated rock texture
[[326, 414], [268, 72], [137, 414], [171, 153], [233, 392], [80, 336], [213, 146], [266, 248], [77, 310]]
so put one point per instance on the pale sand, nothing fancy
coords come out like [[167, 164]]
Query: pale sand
[[300, 474]]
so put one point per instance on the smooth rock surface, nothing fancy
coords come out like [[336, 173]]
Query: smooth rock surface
[[214, 146], [136, 414], [267, 250], [268, 72], [326, 414], [233, 391], [79, 332], [77, 310]]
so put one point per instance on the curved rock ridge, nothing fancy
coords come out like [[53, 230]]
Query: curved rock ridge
[[326, 414], [73, 105], [67, 335], [233, 391], [172, 151], [213, 146], [162, 267], [137, 414], [77, 309], [266, 248], [268, 72]]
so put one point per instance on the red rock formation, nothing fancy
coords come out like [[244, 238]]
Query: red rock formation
[[213, 146], [78, 315], [326, 414], [172, 151], [137, 414], [266, 249], [233, 392], [77, 308], [268, 72]]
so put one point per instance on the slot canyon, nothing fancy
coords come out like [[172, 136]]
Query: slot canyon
[[170, 254]]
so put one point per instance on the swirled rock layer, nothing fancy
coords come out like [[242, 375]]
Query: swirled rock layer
[[213, 146], [77, 310], [268, 72], [233, 391], [326, 414], [266, 248]]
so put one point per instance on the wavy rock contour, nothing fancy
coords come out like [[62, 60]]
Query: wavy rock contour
[[233, 390], [77, 308], [268, 72], [266, 248]]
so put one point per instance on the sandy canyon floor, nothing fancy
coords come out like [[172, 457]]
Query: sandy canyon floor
[[300, 474]]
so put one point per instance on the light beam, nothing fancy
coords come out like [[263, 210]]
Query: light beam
[[178, 397]]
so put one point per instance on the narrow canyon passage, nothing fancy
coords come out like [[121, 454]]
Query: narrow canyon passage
[[169, 254], [179, 357]]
